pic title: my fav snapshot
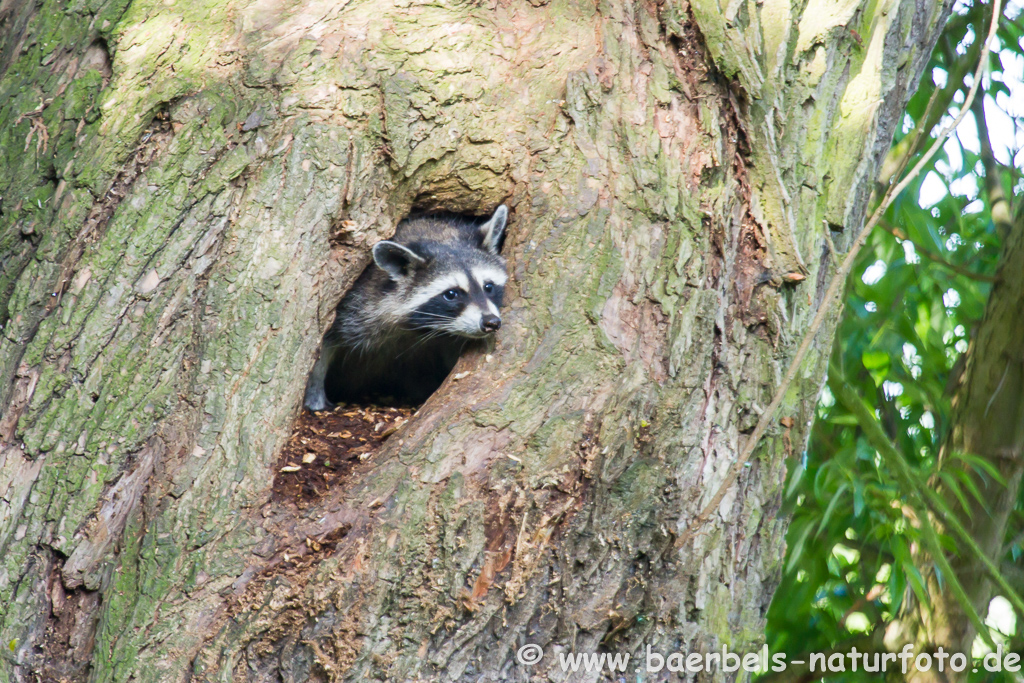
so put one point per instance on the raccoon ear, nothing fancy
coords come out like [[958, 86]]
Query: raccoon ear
[[492, 231], [394, 259]]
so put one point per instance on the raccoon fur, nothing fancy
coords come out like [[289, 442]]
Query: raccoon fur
[[437, 285]]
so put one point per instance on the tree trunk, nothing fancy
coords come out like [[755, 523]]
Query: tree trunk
[[188, 189]]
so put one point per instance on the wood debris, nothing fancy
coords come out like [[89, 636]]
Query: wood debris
[[328, 443]]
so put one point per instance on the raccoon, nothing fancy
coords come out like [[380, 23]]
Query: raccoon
[[400, 329]]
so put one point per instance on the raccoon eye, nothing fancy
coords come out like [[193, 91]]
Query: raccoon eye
[[489, 288], [451, 295]]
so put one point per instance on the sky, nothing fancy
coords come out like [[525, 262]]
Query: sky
[[1005, 118]]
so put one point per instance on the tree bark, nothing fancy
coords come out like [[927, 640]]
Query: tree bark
[[188, 189]]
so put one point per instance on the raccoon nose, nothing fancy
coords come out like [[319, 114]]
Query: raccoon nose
[[490, 323]]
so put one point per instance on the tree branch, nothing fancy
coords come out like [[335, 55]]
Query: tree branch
[[998, 204], [959, 270], [877, 437], [880, 440]]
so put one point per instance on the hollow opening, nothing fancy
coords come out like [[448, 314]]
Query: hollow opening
[[429, 294], [432, 292]]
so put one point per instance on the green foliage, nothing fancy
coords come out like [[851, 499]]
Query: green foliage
[[914, 298]]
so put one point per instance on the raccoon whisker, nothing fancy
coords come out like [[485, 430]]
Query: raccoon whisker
[[419, 342], [420, 328], [358, 349], [431, 330], [433, 316], [427, 325]]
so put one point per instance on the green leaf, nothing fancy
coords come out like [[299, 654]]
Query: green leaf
[[875, 360], [951, 483]]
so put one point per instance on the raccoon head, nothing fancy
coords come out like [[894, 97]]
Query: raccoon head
[[453, 287]]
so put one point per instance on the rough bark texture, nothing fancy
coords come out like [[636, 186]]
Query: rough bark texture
[[188, 188], [988, 422]]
